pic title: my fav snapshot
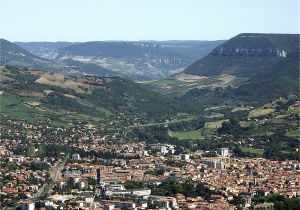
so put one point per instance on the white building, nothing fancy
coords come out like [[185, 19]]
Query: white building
[[134, 192], [115, 187], [163, 150], [76, 156], [141, 192], [185, 157], [224, 152]]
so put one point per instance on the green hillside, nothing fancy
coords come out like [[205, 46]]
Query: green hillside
[[37, 97]]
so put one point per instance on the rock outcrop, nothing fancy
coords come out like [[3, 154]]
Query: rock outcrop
[[249, 52]]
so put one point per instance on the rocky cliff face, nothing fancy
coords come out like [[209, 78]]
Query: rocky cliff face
[[279, 53]]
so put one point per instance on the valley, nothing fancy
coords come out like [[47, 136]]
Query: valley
[[185, 107], [111, 117]]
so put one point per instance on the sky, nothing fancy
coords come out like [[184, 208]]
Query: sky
[[91, 20]]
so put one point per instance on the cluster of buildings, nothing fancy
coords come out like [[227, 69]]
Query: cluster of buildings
[[21, 177], [98, 175], [96, 186]]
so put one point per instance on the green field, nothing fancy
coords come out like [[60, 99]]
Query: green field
[[193, 135], [237, 109], [261, 112], [214, 115], [215, 125], [245, 124], [208, 131], [259, 152]]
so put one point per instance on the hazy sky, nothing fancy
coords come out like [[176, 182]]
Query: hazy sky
[[86, 20]]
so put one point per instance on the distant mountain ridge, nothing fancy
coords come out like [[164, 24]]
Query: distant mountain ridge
[[43, 49], [245, 54], [116, 49], [134, 59], [190, 48], [15, 56], [247, 69], [139, 60], [268, 63]]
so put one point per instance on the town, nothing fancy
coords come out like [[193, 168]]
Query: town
[[93, 173]]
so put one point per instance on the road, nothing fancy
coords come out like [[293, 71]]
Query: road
[[55, 174]]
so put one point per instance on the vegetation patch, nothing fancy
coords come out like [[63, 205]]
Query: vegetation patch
[[294, 133], [215, 125], [242, 108], [252, 150], [214, 115], [295, 108], [189, 78], [261, 112], [245, 124], [193, 135]]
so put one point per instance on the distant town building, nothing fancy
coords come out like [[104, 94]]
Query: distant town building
[[224, 152], [185, 157], [76, 156], [163, 148]]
